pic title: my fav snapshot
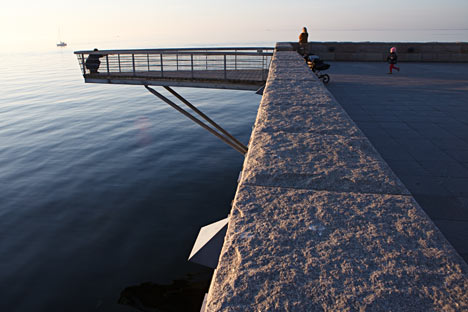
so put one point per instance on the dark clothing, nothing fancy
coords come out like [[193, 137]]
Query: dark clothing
[[93, 62], [392, 58], [303, 37]]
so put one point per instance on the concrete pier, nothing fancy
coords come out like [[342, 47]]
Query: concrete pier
[[320, 222]]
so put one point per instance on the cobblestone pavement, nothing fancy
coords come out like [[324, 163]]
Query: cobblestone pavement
[[417, 119]]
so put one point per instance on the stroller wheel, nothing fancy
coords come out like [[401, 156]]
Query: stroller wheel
[[325, 78]]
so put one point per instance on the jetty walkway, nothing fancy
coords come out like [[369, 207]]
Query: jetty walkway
[[320, 222], [223, 68]]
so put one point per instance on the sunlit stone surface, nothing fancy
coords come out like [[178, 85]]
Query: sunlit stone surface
[[320, 222]]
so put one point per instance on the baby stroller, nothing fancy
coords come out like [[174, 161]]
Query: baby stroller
[[317, 65]]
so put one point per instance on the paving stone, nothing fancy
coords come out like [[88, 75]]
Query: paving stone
[[385, 118], [460, 155], [398, 153], [445, 168], [361, 117], [407, 167], [398, 133], [443, 207], [433, 131], [376, 136], [372, 124], [456, 232], [465, 257], [395, 125], [412, 118], [429, 154], [427, 185], [457, 186], [412, 143], [451, 143]]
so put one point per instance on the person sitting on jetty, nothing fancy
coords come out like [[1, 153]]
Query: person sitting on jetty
[[392, 59], [93, 62], [303, 39]]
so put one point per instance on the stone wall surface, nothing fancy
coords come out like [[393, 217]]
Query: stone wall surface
[[320, 222], [378, 51]]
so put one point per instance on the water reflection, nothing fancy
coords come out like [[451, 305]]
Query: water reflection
[[106, 187]]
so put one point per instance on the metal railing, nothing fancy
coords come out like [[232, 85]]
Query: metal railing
[[218, 63]]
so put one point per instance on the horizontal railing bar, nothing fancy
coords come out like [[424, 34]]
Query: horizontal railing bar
[[174, 50], [183, 53]]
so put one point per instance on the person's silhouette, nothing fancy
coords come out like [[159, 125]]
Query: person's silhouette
[[93, 62]]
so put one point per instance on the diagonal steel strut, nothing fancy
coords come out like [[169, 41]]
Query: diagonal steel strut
[[224, 135], [183, 100]]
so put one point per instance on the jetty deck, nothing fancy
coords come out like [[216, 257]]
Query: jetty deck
[[224, 68], [320, 222]]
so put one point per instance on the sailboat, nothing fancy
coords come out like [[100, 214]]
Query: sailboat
[[61, 43]]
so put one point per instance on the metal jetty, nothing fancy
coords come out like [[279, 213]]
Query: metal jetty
[[218, 68], [243, 68]]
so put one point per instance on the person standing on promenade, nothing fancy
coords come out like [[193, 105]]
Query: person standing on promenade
[[303, 39], [392, 59]]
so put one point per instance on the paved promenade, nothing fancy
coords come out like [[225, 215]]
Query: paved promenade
[[418, 121], [320, 222]]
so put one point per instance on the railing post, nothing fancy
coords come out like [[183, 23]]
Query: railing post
[[161, 61], [263, 65], [107, 63], [225, 72], [118, 57], [235, 59], [177, 61], [83, 63], [147, 60], [133, 63], [191, 61]]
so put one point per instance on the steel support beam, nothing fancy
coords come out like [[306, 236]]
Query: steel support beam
[[222, 136]]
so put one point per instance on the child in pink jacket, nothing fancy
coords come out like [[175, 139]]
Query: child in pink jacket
[[392, 59]]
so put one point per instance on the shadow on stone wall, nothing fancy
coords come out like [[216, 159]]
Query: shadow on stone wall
[[181, 295]]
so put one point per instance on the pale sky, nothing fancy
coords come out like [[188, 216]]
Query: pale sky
[[30, 25]]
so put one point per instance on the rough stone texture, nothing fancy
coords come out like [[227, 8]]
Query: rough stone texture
[[320, 222], [290, 67], [305, 115], [301, 250], [320, 162], [286, 107]]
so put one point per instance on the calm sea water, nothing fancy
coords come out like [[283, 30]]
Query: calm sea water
[[104, 186]]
